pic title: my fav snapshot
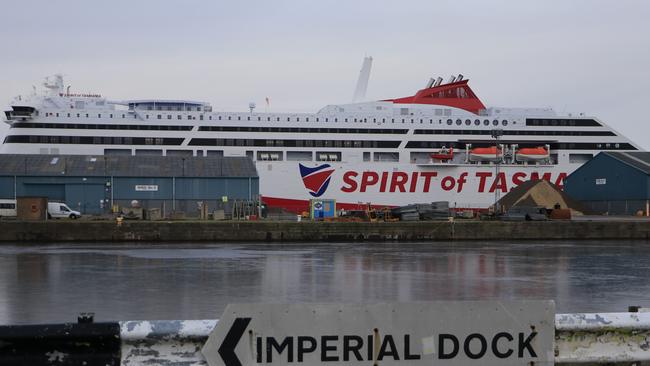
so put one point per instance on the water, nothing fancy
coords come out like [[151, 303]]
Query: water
[[53, 283]]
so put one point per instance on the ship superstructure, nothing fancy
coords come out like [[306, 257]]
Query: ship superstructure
[[442, 143]]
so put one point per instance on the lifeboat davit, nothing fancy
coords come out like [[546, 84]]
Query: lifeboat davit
[[443, 154], [492, 153], [532, 153]]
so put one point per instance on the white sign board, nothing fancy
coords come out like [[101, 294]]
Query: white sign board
[[601, 181], [409, 334], [146, 187]]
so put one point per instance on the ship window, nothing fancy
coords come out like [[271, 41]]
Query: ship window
[[495, 122], [57, 114], [248, 118], [201, 117], [486, 122], [179, 117], [355, 120], [123, 116], [189, 116], [159, 116], [68, 114], [147, 116], [458, 122], [110, 115], [288, 119], [277, 119], [504, 122], [77, 115], [239, 118], [169, 116], [449, 122], [297, 119], [477, 122], [229, 118], [259, 118], [307, 119], [86, 115], [99, 116], [468, 122]]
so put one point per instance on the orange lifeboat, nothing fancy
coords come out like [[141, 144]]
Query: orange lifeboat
[[443, 154], [492, 153], [532, 153]]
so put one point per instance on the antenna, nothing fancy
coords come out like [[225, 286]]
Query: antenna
[[362, 82], [251, 106], [430, 83], [438, 82], [459, 78]]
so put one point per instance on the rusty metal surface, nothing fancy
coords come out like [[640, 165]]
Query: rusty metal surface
[[605, 338], [171, 342], [580, 339]]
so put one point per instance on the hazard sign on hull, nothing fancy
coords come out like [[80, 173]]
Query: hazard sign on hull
[[409, 334]]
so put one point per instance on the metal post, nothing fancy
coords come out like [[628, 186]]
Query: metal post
[[15, 185], [173, 194], [496, 133], [112, 196]]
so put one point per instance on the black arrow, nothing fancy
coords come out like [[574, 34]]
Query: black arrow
[[227, 348]]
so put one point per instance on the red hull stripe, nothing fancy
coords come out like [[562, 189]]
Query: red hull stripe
[[300, 206]]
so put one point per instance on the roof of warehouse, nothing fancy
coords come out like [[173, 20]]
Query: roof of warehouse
[[127, 166], [637, 159]]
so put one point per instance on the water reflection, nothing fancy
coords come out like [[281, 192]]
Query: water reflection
[[194, 281]]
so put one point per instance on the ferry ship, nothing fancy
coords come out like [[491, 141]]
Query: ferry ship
[[439, 144]]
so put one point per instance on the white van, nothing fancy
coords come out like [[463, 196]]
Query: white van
[[57, 210], [7, 208]]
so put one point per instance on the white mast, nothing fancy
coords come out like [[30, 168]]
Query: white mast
[[362, 83]]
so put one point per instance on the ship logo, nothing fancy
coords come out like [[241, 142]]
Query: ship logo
[[317, 179]]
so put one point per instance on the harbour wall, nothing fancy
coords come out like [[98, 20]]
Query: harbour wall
[[264, 231]]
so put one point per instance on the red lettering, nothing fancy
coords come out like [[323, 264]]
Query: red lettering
[[384, 180], [518, 178], [482, 178], [461, 181], [560, 180], [499, 183], [368, 179], [414, 181], [398, 180], [427, 179], [545, 176], [448, 183], [348, 178]]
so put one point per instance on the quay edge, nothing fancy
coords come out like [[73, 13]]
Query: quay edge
[[268, 231]]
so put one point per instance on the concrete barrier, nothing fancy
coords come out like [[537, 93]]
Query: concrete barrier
[[594, 339], [265, 231]]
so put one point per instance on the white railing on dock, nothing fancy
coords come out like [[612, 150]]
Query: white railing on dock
[[581, 338]]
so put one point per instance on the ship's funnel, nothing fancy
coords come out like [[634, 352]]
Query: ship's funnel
[[362, 83]]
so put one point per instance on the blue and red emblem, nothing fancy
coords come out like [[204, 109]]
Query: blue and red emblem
[[317, 179]]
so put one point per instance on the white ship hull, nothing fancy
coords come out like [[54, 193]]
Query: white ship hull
[[382, 153]]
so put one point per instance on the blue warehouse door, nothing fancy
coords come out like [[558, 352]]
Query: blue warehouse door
[[85, 198]]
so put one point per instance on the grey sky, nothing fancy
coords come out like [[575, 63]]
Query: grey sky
[[587, 56]]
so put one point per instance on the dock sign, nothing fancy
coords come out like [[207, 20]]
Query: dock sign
[[409, 334]]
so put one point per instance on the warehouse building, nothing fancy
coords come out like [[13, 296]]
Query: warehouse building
[[614, 183], [95, 185]]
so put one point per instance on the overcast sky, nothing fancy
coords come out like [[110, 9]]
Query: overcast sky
[[587, 56]]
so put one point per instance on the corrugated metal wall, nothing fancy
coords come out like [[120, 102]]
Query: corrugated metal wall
[[607, 185], [93, 195]]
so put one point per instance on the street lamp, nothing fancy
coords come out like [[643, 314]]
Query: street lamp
[[496, 133]]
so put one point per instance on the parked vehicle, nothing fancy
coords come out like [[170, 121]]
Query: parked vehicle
[[7, 208], [57, 210]]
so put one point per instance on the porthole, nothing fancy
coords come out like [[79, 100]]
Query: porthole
[[459, 122], [449, 122], [486, 122], [495, 122], [504, 122], [468, 122]]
